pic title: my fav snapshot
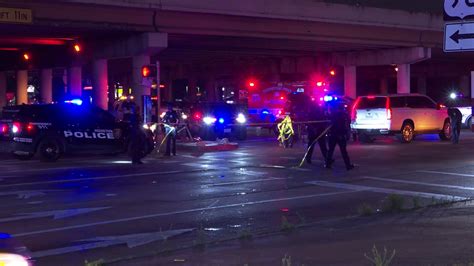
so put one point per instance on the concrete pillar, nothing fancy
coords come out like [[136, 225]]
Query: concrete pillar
[[158, 89], [384, 85], [100, 84], [46, 88], [3, 89], [421, 84], [138, 89], [350, 81], [464, 85], [21, 87], [74, 77], [403, 78]]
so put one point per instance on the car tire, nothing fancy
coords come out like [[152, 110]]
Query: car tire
[[469, 123], [50, 149], [446, 133], [408, 133]]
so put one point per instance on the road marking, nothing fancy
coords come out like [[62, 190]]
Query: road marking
[[385, 190], [57, 214], [156, 215], [418, 183], [208, 165], [53, 169], [132, 241], [245, 182], [445, 173], [26, 194]]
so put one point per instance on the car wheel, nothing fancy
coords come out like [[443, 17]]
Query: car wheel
[[446, 134], [469, 123], [50, 149], [408, 133]]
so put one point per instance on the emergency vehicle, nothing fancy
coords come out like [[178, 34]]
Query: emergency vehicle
[[51, 130]]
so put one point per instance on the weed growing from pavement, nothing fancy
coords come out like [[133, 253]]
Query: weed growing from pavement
[[393, 203], [365, 209], [94, 263], [286, 261], [379, 259], [286, 226]]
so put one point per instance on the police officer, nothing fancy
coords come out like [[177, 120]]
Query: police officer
[[456, 121], [338, 134], [316, 113], [171, 121], [137, 140]]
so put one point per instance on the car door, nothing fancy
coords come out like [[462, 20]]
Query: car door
[[101, 130], [435, 121], [419, 113]]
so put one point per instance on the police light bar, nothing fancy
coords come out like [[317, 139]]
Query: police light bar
[[74, 101]]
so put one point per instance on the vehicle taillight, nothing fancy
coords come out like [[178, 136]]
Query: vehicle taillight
[[30, 128], [16, 128], [5, 129], [197, 116], [389, 110], [354, 110]]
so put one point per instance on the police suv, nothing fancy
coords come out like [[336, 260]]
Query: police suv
[[50, 130]]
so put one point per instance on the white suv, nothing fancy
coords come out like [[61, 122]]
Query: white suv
[[405, 115]]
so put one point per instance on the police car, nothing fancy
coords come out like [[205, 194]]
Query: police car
[[50, 130]]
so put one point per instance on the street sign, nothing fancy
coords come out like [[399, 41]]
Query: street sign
[[459, 37], [15, 15], [459, 8]]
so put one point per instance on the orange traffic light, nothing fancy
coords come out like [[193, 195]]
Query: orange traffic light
[[77, 48], [26, 56], [332, 72], [149, 71]]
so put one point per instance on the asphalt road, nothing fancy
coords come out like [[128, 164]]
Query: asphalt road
[[102, 207]]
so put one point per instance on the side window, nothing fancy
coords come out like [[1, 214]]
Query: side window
[[420, 102], [102, 118], [397, 102], [427, 103]]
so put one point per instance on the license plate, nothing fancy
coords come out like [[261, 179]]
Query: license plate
[[227, 130]]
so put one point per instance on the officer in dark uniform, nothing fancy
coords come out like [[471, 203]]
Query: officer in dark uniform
[[137, 140], [171, 121], [316, 113], [456, 122], [338, 134]]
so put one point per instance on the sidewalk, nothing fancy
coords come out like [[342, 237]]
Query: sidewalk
[[433, 236]]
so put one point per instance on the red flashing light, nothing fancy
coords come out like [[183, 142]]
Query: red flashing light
[[197, 116], [282, 98], [162, 86], [4, 129], [149, 71], [319, 83], [371, 97], [77, 48], [252, 84]]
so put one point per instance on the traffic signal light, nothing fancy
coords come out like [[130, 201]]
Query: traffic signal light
[[251, 84], [149, 71], [26, 56], [77, 48]]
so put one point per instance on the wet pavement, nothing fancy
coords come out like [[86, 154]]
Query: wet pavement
[[102, 207]]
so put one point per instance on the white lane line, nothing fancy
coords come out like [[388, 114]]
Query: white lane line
[[96, 178], [418, 183], [445, 173], [156, 215], [385, 190], [245, 182]]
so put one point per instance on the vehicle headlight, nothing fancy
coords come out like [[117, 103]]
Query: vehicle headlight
[[208, 120], [163, 114], [7, 259], [184, 116], [15, 128], [241, 119], [145, 126], [153, 127]]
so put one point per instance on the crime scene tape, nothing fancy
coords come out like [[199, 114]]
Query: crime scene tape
[[313, 143]]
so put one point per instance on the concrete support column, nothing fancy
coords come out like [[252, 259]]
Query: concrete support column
[[350, 81], [464, 85], [421, 84], [46, 88], [384, 85], [403, 78], [3, 89], [100, 84], [74, 78], [21, 87], [158, 89], [138, 89]]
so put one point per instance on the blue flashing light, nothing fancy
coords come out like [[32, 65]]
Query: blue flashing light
[[265, 112], [74, 101], [5, 236], [221, 120], [328, 98]]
